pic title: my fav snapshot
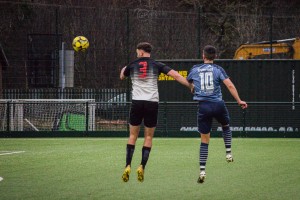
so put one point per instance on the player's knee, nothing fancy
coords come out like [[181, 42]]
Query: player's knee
[[225, 127], [133, 137], [148, 138], [205, 138], [148, 141]]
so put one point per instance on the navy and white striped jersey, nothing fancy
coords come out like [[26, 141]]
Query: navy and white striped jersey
[[144, 74], [207, 79]]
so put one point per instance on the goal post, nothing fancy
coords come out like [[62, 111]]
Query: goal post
[[3, 115], [48, 114]]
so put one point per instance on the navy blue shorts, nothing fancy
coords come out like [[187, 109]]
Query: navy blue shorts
[[209, 110], [143, 110]]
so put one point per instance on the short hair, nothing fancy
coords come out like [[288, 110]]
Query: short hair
[[210, 52], [145, 46]]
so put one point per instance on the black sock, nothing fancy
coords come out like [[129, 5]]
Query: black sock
[[129, 154], [145, 155]]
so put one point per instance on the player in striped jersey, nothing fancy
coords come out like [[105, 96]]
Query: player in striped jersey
[[207, 79], [144, 73]]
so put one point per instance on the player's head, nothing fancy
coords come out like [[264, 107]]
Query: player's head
[[209, 52], [143, 49]]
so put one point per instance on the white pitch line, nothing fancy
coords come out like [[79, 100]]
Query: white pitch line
[[12, 152]]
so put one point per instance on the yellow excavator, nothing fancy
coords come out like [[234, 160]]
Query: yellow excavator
[[281, 49]]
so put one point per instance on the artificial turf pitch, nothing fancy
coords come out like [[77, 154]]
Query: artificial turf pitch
[[91, 168]]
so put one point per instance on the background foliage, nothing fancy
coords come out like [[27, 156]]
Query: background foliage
[[178, 30]]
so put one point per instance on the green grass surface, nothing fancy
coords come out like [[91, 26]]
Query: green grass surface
[[91, 168]]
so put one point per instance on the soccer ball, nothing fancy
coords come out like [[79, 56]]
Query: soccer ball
[[80, 43]]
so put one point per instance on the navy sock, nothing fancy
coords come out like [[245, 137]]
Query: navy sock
[[227, 137], [203, 155]]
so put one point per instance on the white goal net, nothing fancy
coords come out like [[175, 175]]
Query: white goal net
[[47, 114]]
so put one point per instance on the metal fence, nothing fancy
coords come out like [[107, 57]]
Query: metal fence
[[256, 80], [175, 118], [260, 116], [32, 35]]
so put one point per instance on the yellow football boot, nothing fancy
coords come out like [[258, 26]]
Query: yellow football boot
[[125, 176], [140, 173]]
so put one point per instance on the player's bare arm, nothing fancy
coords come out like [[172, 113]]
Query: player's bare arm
[[122, 76], [174, 74], [233, 91]]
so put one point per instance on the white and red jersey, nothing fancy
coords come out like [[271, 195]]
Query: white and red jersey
[[144, 74]]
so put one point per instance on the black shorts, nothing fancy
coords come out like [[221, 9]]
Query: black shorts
[[143, 110]]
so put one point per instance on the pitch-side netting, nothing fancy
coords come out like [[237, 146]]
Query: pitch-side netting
[[47, 115]]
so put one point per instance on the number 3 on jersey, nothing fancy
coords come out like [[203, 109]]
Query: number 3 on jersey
[[207, 81], [143, 69]]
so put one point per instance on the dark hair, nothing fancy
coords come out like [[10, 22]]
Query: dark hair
[[210, 52], [147, 47]]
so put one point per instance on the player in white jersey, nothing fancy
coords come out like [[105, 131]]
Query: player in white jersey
[[207, 79], [144, 73]]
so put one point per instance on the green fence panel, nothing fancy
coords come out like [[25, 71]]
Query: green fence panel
[[256, 80]]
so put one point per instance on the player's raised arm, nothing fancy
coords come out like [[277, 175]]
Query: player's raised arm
[[122, 76], [233, 91], [174, 74]]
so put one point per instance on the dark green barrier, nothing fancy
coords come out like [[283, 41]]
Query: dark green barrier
[[256, 80]]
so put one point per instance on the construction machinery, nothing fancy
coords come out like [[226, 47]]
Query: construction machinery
[[277, 49]]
